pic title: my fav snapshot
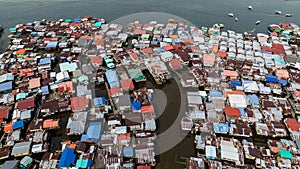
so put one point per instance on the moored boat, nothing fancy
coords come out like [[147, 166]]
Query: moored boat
[[288, 15], [250, 7], [230, 14], [257, 22]]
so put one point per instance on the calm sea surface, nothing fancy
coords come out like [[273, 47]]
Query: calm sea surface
[[198, 12]]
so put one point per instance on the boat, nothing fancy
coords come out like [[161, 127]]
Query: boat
[[278, 12], [236, 19], [1, 29], [288, 15], [230, 14], [250, 7], [257, 22]]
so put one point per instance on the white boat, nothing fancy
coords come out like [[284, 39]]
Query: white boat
[[278, 12], [257, 22], [230, 14], [236, 19], [250, 7], [288, 15]]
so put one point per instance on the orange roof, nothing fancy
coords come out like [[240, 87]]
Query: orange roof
[[232, 112], [54, 39], [147, 50], [230, 73], [147, 109], [226, 93], [134, 56], [30, 58], [50, 123], [127, 84], [292, 124], [173, 36], [34, 83], [222, 54], [195, 48], [72, 146], [79, 103], [26, 72], [297, 93], [8, 127], [115, 90], [168, 47], [86, 37], [215, 49], [96, 59], [99, 42], [124, 136], [20, 52], [139, 31], [175, 64], [283, 73], [209, 59], [68, 86], [187, 41]]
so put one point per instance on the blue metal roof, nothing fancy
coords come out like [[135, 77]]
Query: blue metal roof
[[5, 86], [221, 127], [253, 99], [112, 78], [18, 124], [128, 151], [270, 78], [44, 61], [215, 93], [45, 90], [52, 44], [67, 158]]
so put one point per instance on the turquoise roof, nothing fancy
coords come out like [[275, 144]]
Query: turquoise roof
[[285, 154], [82, 163]]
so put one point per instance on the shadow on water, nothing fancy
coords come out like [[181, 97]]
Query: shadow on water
[[185, 148]]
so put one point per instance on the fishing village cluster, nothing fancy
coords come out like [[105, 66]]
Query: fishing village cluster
[[71, 94]]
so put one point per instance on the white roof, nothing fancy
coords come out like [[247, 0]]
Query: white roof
[[237, 100], [210, 151]]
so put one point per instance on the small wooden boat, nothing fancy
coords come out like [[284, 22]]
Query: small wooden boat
[[278, 12], [250, 7], [257, 22]]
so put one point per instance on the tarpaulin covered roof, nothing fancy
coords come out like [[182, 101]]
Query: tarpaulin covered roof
[[136, 105], [93, 132], [99, 101], [67, 158], [235, 83]]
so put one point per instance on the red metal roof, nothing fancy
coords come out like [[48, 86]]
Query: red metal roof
[[26, 104]]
